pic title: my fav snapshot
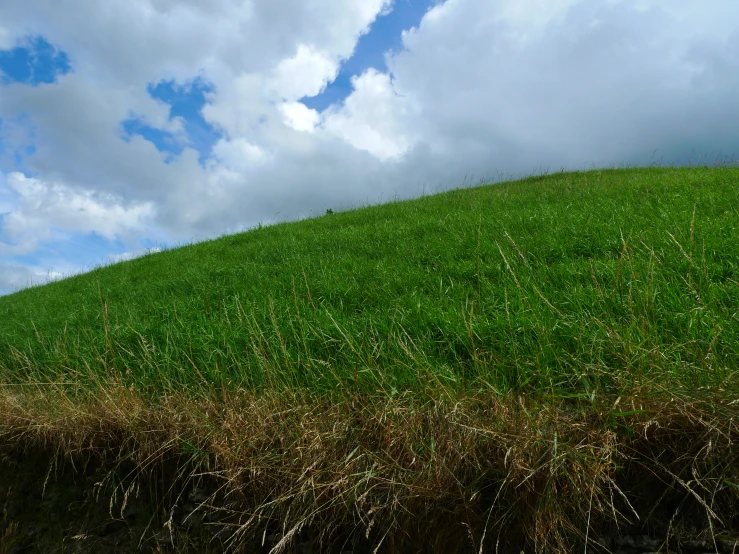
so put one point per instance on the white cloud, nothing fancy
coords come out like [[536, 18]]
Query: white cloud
[[239, 154], [527, 17], [372, 117], [45, 207], [299, 116], [305, 74], [240, 108]]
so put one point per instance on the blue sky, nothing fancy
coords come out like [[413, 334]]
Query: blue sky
[[142, 124], [384, 36], [185, 101], [33, 61]]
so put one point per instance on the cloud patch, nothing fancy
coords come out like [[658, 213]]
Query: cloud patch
[[47, 207], [373, 117]]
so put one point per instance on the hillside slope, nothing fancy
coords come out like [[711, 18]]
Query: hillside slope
[[539, 283], [541, 365]]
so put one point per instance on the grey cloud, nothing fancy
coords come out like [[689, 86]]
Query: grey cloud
[[604, 83], [79, 142]]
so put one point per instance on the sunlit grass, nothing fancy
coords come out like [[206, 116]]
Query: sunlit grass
[[571, 283]]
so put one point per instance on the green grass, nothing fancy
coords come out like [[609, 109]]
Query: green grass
[[530, 358], [557, 285]]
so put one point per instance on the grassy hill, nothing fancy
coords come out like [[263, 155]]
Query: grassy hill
[[408, 354]]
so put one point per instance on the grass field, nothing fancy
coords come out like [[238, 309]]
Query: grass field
[[528, 356]]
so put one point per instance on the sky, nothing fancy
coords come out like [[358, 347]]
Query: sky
[[130, 126]]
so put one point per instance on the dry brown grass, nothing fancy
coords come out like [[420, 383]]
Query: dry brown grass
[[478, 472]]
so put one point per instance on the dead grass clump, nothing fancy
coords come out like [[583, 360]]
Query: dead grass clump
[[474, 472]]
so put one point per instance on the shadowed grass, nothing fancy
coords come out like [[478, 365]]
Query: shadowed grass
[[417, 355], [403, 473]]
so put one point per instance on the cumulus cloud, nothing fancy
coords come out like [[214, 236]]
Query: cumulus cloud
[[480, 87], [299, 116], [580, 82], [45, 207], [305, 74], [239, 155], [373, 118]]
